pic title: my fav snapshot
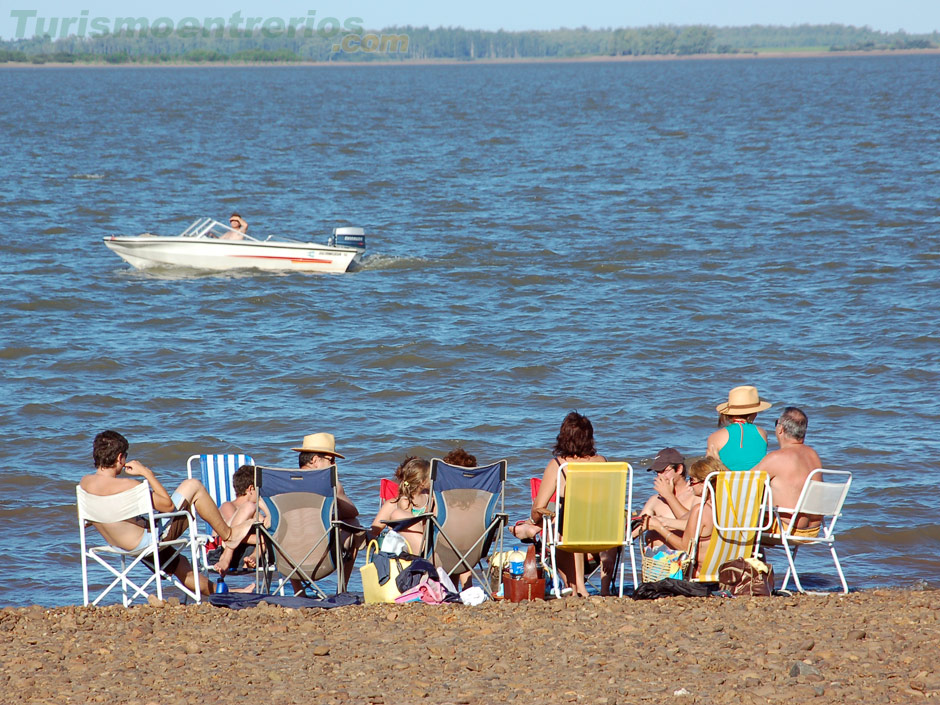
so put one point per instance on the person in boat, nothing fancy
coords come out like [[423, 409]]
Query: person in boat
[[414, 499], [574, 443], [109, 451], [239, 227], [318, 452], [738, 443], [789, 466], [682, 539], [674, 496]]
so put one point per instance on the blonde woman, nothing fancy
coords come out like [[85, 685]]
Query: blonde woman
[[414, 499]]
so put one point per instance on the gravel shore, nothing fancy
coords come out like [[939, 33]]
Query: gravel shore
[[868, 647]]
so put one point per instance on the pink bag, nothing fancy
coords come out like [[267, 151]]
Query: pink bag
[[428, 591]]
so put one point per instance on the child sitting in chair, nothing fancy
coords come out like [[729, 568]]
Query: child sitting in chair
[[414, 475]]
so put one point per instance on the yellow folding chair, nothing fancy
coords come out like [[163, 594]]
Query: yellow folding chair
[[740, 501], [592, 514]]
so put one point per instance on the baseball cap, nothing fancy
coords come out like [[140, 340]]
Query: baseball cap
[[665, 458]]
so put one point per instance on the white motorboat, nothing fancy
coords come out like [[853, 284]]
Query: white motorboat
[[204, 245]]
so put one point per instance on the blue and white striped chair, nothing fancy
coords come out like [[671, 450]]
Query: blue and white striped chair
[[215, 472]]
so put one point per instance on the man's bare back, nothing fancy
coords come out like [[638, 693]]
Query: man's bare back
[[789, 467]]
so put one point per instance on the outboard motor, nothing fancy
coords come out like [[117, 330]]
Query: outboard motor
[[348, 237]]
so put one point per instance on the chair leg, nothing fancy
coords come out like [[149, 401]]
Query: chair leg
[[623, 568], [556, 590], [791, 569], [124, 581], [633, 565], [835, 559]]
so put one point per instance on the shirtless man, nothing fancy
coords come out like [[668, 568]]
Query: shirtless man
[[239, 227], [318, 452], [789, 467], [674, 495], [246, 497], [110, 454], [244, 506]]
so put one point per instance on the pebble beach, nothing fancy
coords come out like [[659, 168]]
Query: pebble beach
[[877, 646]]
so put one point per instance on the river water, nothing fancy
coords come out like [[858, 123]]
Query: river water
[[628, 239]]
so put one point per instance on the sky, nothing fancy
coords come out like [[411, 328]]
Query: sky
[[913, 16]]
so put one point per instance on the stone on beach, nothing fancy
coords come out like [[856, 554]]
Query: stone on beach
[[860, 648]]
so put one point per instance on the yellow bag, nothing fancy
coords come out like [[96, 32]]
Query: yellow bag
[[373, 592]]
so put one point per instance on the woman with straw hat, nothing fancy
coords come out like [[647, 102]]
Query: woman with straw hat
[[739, 444]]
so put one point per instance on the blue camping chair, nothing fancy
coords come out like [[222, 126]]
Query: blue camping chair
[[469, 515], [300, 528]]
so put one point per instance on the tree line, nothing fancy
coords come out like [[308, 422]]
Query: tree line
[[141, 46]]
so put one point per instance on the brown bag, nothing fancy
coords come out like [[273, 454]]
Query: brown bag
[[746, 576], [531, 586]]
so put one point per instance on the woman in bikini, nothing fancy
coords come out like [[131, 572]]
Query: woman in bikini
[[414, 482], [574, 443]]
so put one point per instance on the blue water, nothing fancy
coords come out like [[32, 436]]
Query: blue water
[[627, 239]]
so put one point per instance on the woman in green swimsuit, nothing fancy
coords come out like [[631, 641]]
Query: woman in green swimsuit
[[739, 444]]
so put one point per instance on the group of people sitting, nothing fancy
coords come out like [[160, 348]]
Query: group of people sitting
[[670, 516]]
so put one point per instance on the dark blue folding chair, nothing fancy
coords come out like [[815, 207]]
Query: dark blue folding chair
[[300, 528], [468, 517]]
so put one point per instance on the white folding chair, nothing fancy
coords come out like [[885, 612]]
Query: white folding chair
[[129, 504], [215, 472], [823, 495]]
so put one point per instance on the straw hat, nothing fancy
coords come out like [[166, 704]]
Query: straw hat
[[322, 443], [743, 401]]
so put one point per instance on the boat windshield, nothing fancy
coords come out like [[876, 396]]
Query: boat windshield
[[209, 228]]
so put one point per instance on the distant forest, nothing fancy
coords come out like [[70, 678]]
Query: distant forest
[[148, 46]]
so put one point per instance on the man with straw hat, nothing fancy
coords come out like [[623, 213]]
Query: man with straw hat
[[318, 452], [738, 443]]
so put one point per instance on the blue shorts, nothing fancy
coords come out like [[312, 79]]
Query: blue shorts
[[163, 525]]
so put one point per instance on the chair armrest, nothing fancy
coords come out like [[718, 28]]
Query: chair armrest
[[169, 515], [352, 527], [398, 524]]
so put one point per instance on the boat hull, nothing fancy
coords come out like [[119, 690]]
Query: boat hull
[[143, 251]]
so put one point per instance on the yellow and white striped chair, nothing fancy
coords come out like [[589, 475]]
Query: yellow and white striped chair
[[740, 502]]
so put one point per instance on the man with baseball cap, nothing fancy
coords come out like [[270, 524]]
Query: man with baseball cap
[[674, 495]]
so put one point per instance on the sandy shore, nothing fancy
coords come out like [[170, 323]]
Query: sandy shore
[[870, 647]]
